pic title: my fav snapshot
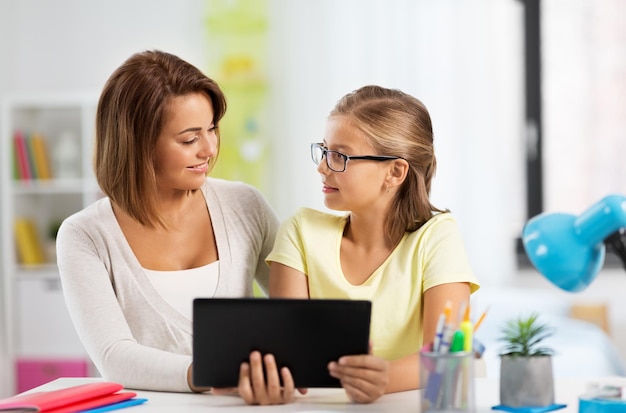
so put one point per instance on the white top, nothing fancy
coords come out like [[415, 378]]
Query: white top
[[133, 336], [179, 288]]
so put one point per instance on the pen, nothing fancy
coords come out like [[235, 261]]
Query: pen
[[449, 369], [437, 380], [441, 343], [467, 328], [444, 319], [480, 320], [453, 380], [458, 341], [462, 308], [439, 332], [478, 348], [446, 340]]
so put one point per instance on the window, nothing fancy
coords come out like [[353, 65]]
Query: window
[[575, 104]]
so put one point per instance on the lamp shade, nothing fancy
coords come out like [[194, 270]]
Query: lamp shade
[[569, 250]]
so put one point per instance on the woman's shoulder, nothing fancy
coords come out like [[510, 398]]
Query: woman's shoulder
[[94, 221], [96, 213]]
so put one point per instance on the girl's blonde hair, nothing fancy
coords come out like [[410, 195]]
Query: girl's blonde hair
[[397, 124]]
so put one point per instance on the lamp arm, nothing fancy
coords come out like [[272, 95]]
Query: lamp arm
[[616, 242], [602, 219]]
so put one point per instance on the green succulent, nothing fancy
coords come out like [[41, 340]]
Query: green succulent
[[523, 337]]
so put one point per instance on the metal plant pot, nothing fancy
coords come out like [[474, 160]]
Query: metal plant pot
[[526, 381]]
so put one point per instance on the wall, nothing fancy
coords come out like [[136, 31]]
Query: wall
[[467, 71], [75, 45], [462, 58]]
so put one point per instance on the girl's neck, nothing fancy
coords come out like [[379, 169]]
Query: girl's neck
[[367, 233]]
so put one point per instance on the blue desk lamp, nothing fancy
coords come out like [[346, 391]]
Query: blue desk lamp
[[569, 250]]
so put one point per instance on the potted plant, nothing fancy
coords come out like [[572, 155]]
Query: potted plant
[[526, 378]]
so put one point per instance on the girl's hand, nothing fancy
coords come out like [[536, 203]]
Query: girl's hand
[[253, 388], [363, 377]]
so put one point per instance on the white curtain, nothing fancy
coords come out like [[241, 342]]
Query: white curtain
[[584, 66], [463, 59]]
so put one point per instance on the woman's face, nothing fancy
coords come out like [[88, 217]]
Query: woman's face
[[186, 143], [360, 186]]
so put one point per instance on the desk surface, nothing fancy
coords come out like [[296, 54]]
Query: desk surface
[[320, 400]]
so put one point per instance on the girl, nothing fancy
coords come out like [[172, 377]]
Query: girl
[[393, 247]]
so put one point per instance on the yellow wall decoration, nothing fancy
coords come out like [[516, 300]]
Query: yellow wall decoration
[[238, 38]]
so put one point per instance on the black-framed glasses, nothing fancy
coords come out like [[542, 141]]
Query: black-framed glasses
[[337, 161]]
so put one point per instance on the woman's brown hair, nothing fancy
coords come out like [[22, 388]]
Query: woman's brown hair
[[397, 124], [130, 116]]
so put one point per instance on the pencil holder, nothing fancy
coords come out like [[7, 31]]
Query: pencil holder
[[447, 381]]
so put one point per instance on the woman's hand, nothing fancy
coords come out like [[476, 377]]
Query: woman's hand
[[364, 377], [253, 388]]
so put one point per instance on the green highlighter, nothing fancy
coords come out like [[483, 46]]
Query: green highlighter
[[458, 340]]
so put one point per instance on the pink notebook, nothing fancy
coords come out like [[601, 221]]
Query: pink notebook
[[69, 400]]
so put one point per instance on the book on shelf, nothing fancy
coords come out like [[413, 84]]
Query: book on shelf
[[28, 244], [16, 167], [39, 153], [31, 157], [21, 152], [31, 160]]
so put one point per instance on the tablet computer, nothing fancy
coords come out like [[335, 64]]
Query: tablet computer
[[303, 335]]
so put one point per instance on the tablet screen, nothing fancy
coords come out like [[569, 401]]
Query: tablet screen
[[303, 335]]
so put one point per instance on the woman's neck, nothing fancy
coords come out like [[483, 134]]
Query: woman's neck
[[172, 207]]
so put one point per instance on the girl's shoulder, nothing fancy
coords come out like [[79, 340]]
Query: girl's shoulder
[[305, 215], [309, 222], [441, 226], [439, 220]]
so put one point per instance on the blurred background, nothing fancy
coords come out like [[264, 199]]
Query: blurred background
[[528, 102]]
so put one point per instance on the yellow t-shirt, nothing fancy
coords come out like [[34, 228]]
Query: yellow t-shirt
[[310, 242]]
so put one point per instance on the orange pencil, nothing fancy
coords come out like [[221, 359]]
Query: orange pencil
[[480, 320]]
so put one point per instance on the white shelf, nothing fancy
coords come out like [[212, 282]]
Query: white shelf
[[46, 270], [32, 305], [49, 186]]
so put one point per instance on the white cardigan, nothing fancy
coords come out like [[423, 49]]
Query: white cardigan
[[130, 332]]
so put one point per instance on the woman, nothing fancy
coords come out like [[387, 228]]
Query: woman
[[132, 262]]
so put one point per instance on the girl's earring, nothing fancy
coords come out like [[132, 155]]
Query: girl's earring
[[387, 188]]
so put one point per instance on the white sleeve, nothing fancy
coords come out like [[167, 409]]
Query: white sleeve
[[101, 324]]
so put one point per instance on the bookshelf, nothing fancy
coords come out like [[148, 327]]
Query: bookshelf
[[45, 175]]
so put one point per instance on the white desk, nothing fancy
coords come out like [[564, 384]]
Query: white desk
[[319, 400]]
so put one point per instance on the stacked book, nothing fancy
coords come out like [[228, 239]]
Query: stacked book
[[31, 160], [29, 247]]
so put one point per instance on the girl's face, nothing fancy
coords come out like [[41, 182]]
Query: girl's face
[[360, 186], [186, 143]]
